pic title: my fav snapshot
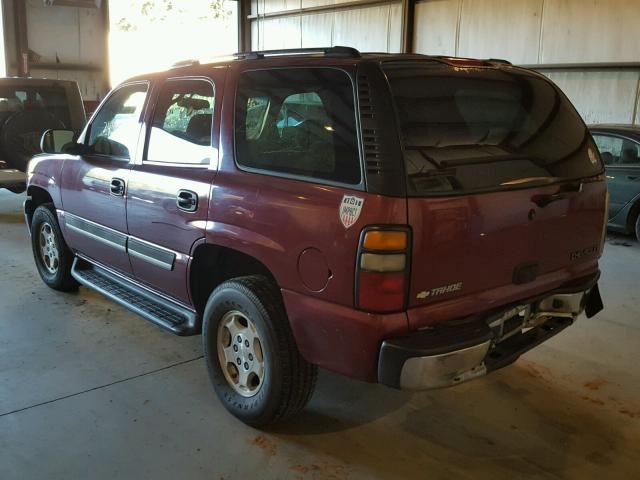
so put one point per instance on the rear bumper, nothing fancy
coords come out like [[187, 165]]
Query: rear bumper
[[456, 352]]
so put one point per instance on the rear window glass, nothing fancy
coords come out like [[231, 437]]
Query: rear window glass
[[298, 121], [484, 129]]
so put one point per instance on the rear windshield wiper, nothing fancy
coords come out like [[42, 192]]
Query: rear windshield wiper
[[518, 182]]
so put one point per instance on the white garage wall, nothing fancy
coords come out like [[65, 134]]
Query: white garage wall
[[371, 28], [539, 32], [70, 37], [79, 39]]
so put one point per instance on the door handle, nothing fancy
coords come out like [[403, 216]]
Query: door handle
[[187, 200], [117, 187], [567, 191]]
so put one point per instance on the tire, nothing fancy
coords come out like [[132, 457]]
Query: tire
[[637, 229], [287, 380], [55, 268]]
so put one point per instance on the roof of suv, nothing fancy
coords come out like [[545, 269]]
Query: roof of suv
[[335, 55]]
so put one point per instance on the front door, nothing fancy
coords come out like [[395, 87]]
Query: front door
[[169, 189], [95, 189]]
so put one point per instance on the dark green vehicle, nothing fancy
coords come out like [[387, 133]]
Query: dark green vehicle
[[619, 147], [29, 107]]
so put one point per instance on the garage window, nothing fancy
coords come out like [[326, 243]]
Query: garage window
[[298, 122], [181, 127]]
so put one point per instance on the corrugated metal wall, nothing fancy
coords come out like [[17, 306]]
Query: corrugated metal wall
[[65, 42], [530, 32], [543, 32], [374, 27]]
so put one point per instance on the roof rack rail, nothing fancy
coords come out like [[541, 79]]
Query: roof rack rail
[[336, 51], [185, 63], [499, 60]]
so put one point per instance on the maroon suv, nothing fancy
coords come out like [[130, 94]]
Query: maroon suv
[[409, 220]]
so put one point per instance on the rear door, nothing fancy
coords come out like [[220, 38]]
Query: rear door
[[171, 187], [502, 178]]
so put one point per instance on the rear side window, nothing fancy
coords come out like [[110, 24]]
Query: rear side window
[[298, 121], [181, 127], [485, 129], [617, 150], [48, 103]]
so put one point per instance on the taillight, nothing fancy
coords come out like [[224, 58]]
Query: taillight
[[382, 269]]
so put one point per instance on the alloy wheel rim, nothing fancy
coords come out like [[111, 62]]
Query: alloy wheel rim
[[240, 353], [48, 248]]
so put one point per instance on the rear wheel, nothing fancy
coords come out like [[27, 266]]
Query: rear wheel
[[253, 361], [52, 255], [638, 227]]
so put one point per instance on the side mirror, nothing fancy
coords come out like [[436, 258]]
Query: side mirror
[[58, 141]]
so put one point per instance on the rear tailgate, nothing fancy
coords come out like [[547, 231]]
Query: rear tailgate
[[475, 253], [506, 194]]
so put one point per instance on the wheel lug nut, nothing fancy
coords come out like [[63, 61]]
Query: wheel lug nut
[[238, 361], [235, 348], [246, 366], [246, 343], [251, 357], [239, 339]]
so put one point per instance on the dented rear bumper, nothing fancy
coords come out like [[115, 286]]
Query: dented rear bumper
[[459, 351]]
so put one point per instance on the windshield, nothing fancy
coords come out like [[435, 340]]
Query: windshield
[[483, 129]]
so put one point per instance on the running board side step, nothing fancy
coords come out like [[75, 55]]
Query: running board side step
[[164, 313]]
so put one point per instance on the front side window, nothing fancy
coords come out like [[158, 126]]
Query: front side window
[[181, 127], [298, 121], [116, 127], [617, 150]]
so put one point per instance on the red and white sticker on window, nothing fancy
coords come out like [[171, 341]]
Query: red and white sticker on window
[[350, 209]]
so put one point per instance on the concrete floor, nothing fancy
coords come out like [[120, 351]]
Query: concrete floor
[[88, 390]]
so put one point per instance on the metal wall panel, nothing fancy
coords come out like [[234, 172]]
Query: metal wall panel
[[78, 33], [276, 33], [500, 29], [317, 30], [368, 28], [591, 31], [394, 35], [600, 97], [91, 84], [436, 25], [545, 32]]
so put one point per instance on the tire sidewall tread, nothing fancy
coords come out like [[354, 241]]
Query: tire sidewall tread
[[62, 279], [289, 380]]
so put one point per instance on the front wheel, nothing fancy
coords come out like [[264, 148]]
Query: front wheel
[[52, 255], [252, 358]]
